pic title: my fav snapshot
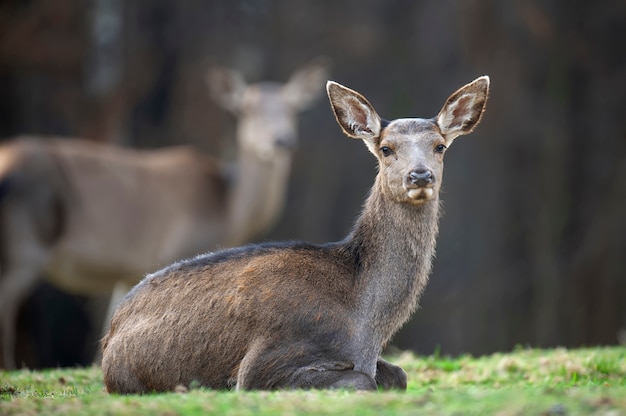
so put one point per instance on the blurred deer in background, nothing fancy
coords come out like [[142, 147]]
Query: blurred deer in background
[[86, 216], [299, 315]]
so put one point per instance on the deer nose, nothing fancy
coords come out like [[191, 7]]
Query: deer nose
[[421, 177], [287, 142]]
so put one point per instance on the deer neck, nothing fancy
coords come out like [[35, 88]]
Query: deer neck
[[394, 244], [258, 195]]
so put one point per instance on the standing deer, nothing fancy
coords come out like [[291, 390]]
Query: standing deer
[[298, 315], [88, 215]]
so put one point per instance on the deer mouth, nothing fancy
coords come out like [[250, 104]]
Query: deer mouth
[[422, 194]]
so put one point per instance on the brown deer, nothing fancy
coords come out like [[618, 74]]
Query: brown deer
[[86, 215], [298, 315]]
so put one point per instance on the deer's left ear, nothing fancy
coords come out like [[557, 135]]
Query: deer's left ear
[[463, 109], [306, 84]]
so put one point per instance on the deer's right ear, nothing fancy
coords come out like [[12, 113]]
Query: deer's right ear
[[226, 87], [355, 114]]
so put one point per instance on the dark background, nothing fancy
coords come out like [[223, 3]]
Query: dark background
[[532, 247]]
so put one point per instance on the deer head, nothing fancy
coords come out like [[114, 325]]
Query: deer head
[[267, 111], [409, 150]]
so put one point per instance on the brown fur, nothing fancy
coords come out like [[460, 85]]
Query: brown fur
[[298, 315]]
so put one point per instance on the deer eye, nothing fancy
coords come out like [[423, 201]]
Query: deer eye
[[386, 151], [440, 148]]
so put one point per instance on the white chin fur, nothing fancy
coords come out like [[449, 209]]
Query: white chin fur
[[421, 193]]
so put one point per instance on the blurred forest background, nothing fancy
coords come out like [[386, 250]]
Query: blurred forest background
[[532, 246]]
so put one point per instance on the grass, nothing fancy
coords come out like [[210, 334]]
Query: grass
[[525, 382]]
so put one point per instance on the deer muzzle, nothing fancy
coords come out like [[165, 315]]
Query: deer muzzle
[[419, 184]]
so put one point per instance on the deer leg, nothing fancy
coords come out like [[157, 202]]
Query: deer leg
[[319, 377], [23, 257], [390, 376], [120, 290], [329, 375], [270, 367], [8, 313], [14, 288]]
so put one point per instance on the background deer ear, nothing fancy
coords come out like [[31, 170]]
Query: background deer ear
[[227, 87], [463, 109], [355, 114], [306, 84]]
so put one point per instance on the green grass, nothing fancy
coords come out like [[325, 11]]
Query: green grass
[[525, 382]]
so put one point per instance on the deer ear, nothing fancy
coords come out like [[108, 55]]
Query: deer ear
[[227, 87], [463, 109], [305, 85], [355, 114]]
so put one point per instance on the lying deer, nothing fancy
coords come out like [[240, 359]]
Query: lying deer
[[86, 215], [298, 315]]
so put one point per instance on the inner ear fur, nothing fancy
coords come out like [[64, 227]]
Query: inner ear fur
[[463, 110], [355, 115]]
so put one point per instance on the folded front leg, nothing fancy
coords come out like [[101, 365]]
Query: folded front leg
[[390, 376], [325, 377], [267, 366]]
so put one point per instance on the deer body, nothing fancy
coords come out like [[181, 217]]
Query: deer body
[[93, 222], [88, 216], [298, 315]]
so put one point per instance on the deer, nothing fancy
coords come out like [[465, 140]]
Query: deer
[[296, 315], [92, 217]]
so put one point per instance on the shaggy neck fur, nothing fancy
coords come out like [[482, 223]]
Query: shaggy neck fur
[[394, 244]]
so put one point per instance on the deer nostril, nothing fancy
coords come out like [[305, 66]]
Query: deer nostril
[[421, 177], [286, 142]]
